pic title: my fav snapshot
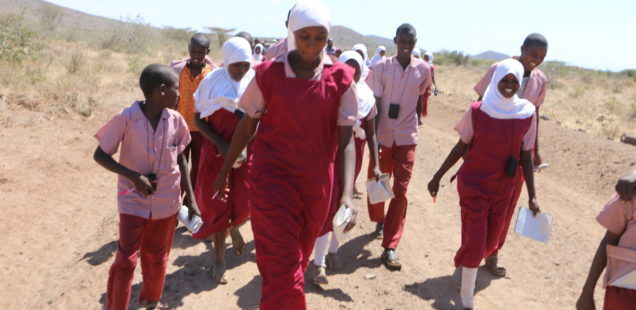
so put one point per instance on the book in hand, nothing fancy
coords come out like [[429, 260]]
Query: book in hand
[[534, 227], [621, 267], [380, 190]]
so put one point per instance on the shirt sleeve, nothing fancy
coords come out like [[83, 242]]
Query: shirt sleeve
[[375, 80], [252, 101], [110, 136], [544, 89], [348, 110], [426, 83], [531, 135], [465, 127], [614, 215], [480, 87], [182, 135]]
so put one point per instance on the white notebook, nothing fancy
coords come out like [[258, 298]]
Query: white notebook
[[534, 227], [626, 281], [379, 191]]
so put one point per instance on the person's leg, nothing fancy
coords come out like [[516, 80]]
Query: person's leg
[[376, 211], [332, 260], [155, 250], [617, 298], [510, 211], [474, 216], [120, 275], [240, 206], [403, 162], [467, 291], [195, 149], [320, 274], [218, 271]]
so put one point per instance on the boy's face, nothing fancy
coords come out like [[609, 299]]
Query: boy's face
[[238, 70], [310, 42], [197, 53], [354, 64], [508, 86], [532, 56], [405, 42], [170, 93]]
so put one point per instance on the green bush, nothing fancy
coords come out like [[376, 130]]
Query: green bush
[[456, 58], [131, 35], [17, 41]]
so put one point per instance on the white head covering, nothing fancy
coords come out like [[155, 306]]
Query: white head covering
[[496, 105], [417, 52], [377, 56], [306, 13], [366, 100], [259, 56], [365, 59], [218, 89], [430, 57]]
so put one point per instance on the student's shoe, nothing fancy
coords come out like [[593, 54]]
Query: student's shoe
[[390, 259], [320, 276], [333, 262], [379, 230], [493, 268]]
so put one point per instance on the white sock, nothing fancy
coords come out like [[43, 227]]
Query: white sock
[[334, 244], [469, 278], [321, 250]]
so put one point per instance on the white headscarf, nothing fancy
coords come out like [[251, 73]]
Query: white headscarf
[[365, 59], [430, 58], [218, 90], [496, 105], [259, 56], [417, 52], [366, 100], [306, 13], [377, 56]]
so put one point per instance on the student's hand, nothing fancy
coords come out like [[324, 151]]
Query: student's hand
[[220, 187], [143, 185], [585, 302], [534, 206], [433, 187], [377, 173], [626, 186], [537, 159], [349, 204]]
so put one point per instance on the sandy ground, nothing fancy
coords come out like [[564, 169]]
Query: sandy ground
[[59, 228]]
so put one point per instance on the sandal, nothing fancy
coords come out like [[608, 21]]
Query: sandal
[[379, 230], [320, 276], [491, 266], [391, 260]]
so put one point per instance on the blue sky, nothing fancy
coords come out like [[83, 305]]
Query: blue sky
[[591, 34]]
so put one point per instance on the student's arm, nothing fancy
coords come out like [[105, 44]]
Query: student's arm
[[626, 186], [455, 154], [243, 133], [209, 133], [141, 182], [186, 183], [418, 109], [378, 105], [347, 159], [528, 174], [372, 142], [537, 157], [586, 299]]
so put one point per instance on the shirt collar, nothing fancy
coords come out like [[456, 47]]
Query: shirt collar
[[137, 113]]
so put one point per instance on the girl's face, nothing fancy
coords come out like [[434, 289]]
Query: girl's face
[[426, 58], [237, 70], [508, 86], [354, 64], [405, 42], [532, 56], [258, 50], [382, 53], [310, 42]]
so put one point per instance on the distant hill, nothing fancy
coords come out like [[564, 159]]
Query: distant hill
[[490, 55], [345, 38]]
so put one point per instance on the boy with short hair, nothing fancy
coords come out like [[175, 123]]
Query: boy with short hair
[[152, 137]]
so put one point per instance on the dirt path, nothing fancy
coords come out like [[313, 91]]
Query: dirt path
[[60, 227]]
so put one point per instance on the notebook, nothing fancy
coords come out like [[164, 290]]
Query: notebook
[[380, 190], [534, 227]]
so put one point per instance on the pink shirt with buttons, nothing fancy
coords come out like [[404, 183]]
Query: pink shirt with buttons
[[392, 84], [146, 151], [619, 217]]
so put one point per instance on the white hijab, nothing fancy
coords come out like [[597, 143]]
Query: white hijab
[[377, 56], [258, 56], [417, 52], [306, 13], [496, 105], [430, 58], [365, 59], [218, 90], [366, 100]]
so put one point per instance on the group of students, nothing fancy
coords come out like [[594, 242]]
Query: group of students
[[282, 142]]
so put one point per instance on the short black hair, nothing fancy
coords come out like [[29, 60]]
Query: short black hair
[[200, 39], [154, 75], [535, 39], [406, 27], [247, 36]]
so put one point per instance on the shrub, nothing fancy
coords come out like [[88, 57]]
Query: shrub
[[50, 16], [75, 63], [17, 41], [457, 58], [131, 35]]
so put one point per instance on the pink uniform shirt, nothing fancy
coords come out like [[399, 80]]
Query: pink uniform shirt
[[253, 102], [619, 217], [147, 151], [465, 130], [392, 84], [277, 49], [535, 89]]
